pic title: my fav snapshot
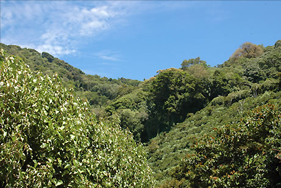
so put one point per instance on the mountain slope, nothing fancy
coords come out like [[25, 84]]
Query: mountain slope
[[258, 84]]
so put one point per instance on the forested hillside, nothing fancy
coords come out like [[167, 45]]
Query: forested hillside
[[201, 125], [182, 158], [97, 90], [182, 105]]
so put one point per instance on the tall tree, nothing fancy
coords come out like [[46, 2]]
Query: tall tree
[[248, 50], [187, 63]]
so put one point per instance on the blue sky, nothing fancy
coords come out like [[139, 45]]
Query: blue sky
[[134, 39]]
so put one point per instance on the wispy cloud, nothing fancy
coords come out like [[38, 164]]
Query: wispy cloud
[[108, 55], [109, 58]]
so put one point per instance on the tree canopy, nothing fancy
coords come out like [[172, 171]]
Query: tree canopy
[[248, 50], [187, 63]]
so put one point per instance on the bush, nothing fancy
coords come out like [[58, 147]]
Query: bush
[[218, 101], [236, 96], [48, 138]]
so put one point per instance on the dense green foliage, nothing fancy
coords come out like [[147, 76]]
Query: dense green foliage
[[161, 102], [244, 154], [235, 87], [172, 94], [48, 138], [167, 150], [202, 125]]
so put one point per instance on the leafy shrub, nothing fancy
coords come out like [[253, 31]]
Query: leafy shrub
[[48, 138], [270, 84], [218, 101], [236, 96]]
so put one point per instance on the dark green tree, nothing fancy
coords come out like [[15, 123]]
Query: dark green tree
[[270, 63], [220, 84], [48, 56], [277, 44], [253, 72], [174, 94]]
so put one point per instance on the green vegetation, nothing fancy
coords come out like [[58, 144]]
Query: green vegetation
[[50, 139], [201, 126], [244, 154], [234, 92], [98, 91]]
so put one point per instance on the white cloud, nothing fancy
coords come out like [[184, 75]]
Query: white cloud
[[57, 27]]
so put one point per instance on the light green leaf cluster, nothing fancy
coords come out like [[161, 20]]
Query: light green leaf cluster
[[50, 139]]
